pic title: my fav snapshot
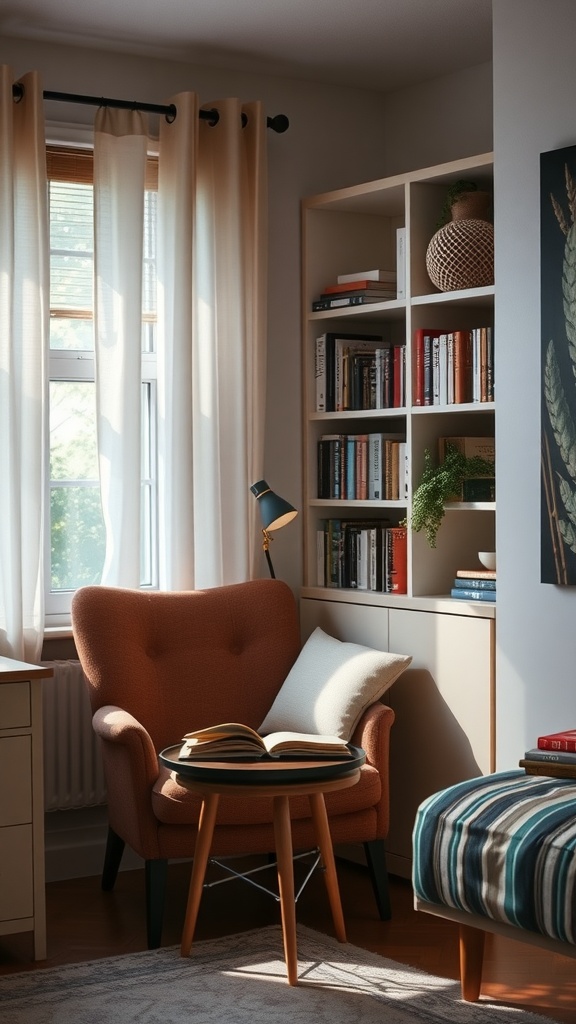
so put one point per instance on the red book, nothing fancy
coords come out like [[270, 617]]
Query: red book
[[462, 366], [559, 741], [396, 560], [418, 363], [360, 285]]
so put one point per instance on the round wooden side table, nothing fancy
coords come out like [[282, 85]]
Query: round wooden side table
[[279, 780]]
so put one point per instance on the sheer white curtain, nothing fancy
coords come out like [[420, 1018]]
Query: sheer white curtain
[[120, 149], [212, 202], [24, 319]]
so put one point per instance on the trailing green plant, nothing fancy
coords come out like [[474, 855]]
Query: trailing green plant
[[437, 486]]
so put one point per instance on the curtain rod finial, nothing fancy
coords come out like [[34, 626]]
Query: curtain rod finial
[[279, 123]]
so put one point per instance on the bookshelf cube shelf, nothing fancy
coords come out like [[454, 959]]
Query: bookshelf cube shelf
[[356, 230]]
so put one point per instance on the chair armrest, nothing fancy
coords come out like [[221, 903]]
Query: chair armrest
[[115, 726], [373, 734]]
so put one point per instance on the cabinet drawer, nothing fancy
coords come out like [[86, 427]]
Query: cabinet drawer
[[15, 705], [16, 775], [16, 874]]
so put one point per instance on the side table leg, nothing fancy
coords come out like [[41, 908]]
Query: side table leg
[[324, 840], [283, 838], [201, 854]]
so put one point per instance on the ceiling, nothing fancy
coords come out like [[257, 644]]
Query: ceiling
[[374, 44]]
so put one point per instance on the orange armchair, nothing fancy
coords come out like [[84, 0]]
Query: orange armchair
[[160, 664]]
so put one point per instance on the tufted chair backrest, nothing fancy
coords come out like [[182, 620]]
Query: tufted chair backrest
[[186, 660]]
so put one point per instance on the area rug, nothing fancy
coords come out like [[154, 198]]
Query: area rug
[[241, 979]]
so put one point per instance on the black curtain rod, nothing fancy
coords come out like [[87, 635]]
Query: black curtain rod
[[279, 123]]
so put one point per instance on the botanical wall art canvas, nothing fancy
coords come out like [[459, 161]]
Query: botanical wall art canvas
[[558, 338]]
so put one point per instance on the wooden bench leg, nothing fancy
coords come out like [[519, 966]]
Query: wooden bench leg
[[471, 958]]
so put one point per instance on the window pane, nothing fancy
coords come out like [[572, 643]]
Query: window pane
[[77, 536], [71, 245], [73, 452], [71, 333]]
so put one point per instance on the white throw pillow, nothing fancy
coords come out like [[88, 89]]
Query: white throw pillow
[[330, 686]]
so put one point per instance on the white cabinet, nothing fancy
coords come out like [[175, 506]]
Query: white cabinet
[[22, 895], [443, 703]]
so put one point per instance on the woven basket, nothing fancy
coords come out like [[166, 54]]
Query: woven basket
[[461, 253]]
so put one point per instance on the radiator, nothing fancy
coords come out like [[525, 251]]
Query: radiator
[[73, 774]]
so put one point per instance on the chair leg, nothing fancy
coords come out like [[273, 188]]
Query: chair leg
[[156, 872], [471, 959], [112, 858], [376, 859]]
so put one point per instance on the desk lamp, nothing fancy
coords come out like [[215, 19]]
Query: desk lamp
[[275, 512]]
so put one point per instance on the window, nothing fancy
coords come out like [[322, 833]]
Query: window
[[75, 544]]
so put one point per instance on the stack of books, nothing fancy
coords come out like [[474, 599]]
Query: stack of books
[[555, 755], [357, 289], [474, 585]]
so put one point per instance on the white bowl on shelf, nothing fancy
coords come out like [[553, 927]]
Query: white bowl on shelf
[[488, 559]]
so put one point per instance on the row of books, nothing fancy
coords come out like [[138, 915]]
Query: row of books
[[362, 555], [453, 367], [474, 585], [357, 372], [554, 755], [363, 467], [357, 289]]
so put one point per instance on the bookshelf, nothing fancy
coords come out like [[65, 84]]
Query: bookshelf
[[355, 229]]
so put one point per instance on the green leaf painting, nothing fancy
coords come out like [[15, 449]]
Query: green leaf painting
[[558, 422]]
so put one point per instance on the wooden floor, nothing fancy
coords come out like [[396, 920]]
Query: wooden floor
[[85, 923]]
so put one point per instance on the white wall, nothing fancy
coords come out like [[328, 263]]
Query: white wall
[[444, 119], [534, 112]]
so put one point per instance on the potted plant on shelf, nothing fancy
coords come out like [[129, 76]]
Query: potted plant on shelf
[[438, 484]]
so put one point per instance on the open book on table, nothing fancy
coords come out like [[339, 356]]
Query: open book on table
[[233, 741]]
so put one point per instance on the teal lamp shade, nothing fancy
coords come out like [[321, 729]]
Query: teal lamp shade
[[275, 512]]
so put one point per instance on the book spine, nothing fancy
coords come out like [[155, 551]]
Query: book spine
[[428, 369], [472, 584], [319, 305], [462, 367], [357, 285], [418, 375], [375, 467], [320, 373], [404, 482], [397, 560], [321, 555], [476, 574], [450, 368], [435, 371], [400, 263], [555, 771], [559, 756], [443, 371], [368, 275], [556, 743], [469, 594], [398, 400]]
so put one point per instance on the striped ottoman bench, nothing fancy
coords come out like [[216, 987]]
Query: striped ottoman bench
[[498, 854]]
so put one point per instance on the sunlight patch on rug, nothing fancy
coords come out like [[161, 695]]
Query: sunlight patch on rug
[[241, 979]]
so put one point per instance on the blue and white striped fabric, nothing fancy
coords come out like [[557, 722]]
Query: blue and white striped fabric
[[502, 846]]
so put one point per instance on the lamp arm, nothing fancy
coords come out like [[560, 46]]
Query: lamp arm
[[266, 544]]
